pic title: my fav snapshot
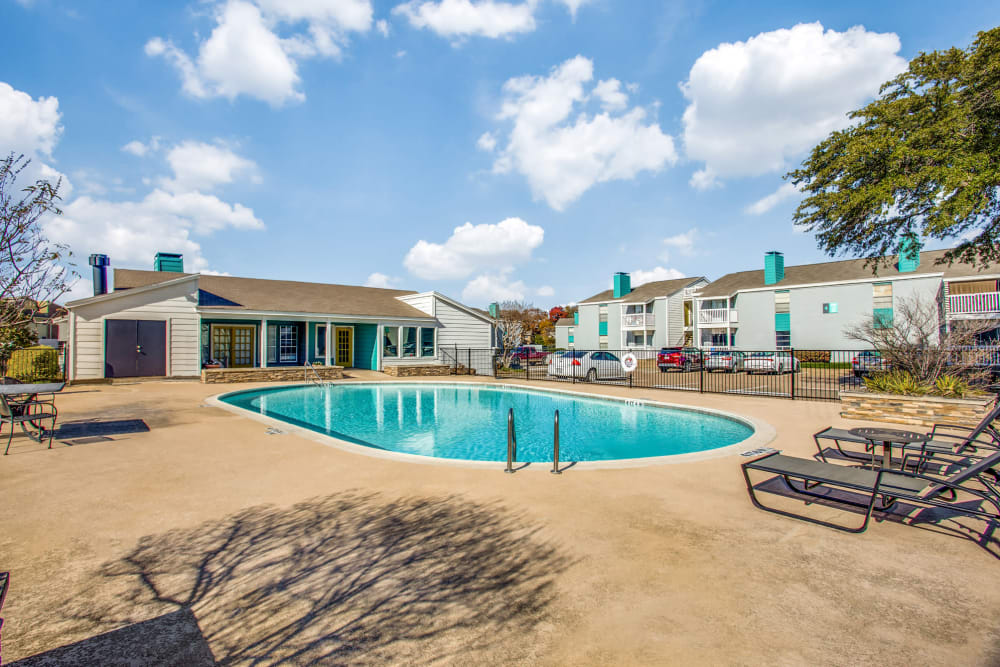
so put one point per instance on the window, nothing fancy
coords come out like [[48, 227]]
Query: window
[[782, 339], [603, 340], [288, 343], [390, 342], [321, 340], [272, 343], [649, 339], [427, 342], [602, 313], [882, 305], [408, 343], [781, 302], [830, 308]]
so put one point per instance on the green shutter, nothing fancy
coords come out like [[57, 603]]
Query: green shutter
[[602, 328]]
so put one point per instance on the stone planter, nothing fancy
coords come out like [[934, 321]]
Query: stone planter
[[914, 410], [271, 374], [416, 370]]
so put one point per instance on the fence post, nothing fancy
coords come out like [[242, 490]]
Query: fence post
[[792, 392], [701, 370]]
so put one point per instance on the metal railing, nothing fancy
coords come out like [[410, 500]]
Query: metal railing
[[638, 320], [718, 316], [315, 379], [983, 303]]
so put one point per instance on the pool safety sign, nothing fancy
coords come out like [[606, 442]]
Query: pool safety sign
[[629, 363]]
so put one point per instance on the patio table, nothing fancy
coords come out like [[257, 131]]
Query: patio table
[[30, 392], [886, 437]]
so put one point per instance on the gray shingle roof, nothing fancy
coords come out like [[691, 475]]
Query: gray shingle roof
[[646, 291], [564, 322], [255, 294], [826, 272]]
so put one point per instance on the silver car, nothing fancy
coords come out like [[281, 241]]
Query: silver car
[[771, 362], [728, 361], [584, 365]]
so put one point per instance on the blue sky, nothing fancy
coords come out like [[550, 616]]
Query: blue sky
[[485, 149]]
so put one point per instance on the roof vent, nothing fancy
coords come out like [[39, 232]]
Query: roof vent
[[100, 264], [168, 261], [774, 267], [909, 254], [623, 284]]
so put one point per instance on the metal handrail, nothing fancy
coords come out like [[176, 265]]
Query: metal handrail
[[511, 442], [316, 379], [555, 447]]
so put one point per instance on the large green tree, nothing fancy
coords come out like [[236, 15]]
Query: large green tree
[[921, 160]]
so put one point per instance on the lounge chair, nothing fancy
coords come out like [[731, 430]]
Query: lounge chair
[[21, 413], [890, 485], [967, 440]]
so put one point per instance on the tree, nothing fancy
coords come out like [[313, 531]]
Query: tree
[[556, 313], [546, 333], [914, 341], [32, 268], [922, 160]]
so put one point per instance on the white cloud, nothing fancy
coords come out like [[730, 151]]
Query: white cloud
[[201, 166], [573, 5], [545, 290], [457, 19], [473, 248], [486, 142], [383, 27], [131, 232], [381, 280], [401, 53], [139, 149], [563, 157], [683, 243], [765, 204], [494, 287], [704, 179], [653, 275], [28, 126], [756, 104], [610, 93], [244, 55]]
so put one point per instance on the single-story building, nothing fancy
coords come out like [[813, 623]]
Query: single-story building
[[167, 323]]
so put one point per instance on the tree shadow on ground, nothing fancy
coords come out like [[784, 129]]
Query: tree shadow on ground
[[348, 578]]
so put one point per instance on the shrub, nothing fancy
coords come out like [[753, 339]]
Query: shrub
[[34, 364], [813, 356], [896, 382], [952, 386]]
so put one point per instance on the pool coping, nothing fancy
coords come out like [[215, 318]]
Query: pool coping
[[763, 432]]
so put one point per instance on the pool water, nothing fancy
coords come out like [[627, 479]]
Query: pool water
[[468, 421]]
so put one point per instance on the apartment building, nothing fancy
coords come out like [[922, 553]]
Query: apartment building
[[810, 306], [648, 317]]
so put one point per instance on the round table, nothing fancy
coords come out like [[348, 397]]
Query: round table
[[886, 437]]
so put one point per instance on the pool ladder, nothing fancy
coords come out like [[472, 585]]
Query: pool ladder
[[512, 444], [315, 379]]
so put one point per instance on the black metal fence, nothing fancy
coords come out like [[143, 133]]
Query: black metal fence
[[794, 374], [34, 364]]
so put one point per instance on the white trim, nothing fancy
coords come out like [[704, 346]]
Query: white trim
[[132, 290], [169, 345], [985, 276], [262, 346], [329, 342], [71, 361], [305, 317], [857, 281]]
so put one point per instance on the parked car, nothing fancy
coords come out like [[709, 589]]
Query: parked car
[[771, 362], [729, 361], [678, 358], [867, 362], [584, 365], [528, 354]]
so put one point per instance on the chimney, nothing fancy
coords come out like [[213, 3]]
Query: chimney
[[909, 254], [494, 310], [100, 264], [774, 267], [168, 261], [623, 284]]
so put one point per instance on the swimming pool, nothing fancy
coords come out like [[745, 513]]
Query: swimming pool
[[468, 421]]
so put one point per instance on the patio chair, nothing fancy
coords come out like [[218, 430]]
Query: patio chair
[[889, 485], [20, 413], [967, 439]]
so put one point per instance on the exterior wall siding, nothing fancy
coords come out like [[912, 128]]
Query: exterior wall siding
[[664, 321], [585, 333], [173, 304], [562, 337], [460, 328]]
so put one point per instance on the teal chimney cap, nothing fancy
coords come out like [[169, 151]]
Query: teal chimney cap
[[774, 267], [168, 261]]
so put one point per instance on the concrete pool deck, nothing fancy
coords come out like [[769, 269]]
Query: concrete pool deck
[[207, 538]]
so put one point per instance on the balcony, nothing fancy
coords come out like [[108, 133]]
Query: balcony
[[717, 317], [639, 321], [984, 304]]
